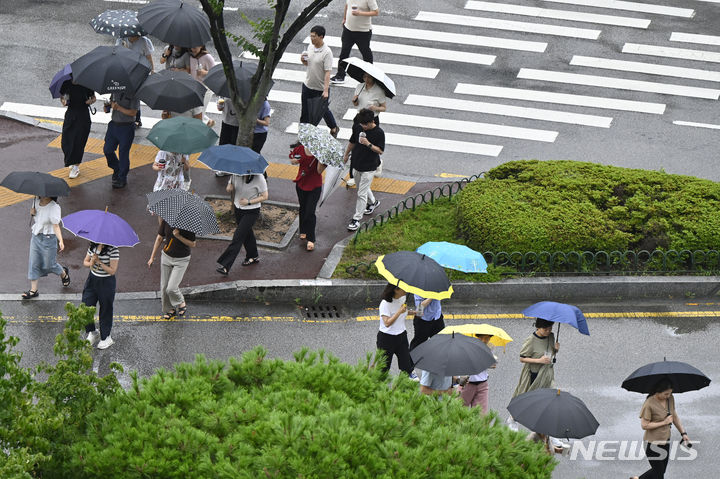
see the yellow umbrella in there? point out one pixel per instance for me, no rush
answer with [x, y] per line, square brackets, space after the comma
[499, 336]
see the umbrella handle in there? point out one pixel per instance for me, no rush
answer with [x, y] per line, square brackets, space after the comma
[557, 339]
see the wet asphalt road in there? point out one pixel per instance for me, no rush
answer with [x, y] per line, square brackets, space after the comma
[590, 367]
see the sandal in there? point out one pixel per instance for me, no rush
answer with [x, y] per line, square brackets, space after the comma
[222, 270]
[249, 261]
[29, 294]
[310, 246]
[303, 236]
[66, 279]
[181, 310]
[170, 314]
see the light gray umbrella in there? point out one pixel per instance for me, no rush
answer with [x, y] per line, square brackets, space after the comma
[176, 22]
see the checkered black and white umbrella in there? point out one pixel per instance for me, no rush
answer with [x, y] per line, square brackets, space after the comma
[118, 23]
[184, 210]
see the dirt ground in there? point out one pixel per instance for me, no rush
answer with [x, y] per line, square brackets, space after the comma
[271, 226]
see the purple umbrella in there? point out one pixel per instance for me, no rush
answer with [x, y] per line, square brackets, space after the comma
[60, 77]
[101, 227]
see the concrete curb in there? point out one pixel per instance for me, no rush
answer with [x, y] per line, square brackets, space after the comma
[30, 121]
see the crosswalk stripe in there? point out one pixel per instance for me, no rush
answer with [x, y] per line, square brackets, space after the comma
[389, 68]
[632, 7]
[463, 126]
[510, 25]
[558, 14]
[424, 52]
[299, 76]
[59, 113]
[459, 38]
[619, 83]
[694, 38]
[649, 68]
[560, 98]
[697, 125]
[670, 52]
[428, 143]
[284, 96]
[509, 110]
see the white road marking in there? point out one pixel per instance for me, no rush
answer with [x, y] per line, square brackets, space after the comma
[509, 110]
[138, 2]
[58, 113]
[412, 141]
[299, 76]
[694, 38]
[494, 23]
[632, 7]
[697, 125]
[619, 83]
[649, 68]
[560, 98]
[462, 126]
[558, 14]
[669, 52]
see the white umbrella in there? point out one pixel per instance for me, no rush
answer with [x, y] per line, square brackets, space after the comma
[333, 174]
[356, 68]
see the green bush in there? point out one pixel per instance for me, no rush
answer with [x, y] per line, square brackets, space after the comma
[566, 205]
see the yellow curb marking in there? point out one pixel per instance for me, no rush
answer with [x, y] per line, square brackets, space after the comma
[450, 175]
[630, 315]
[189, 319]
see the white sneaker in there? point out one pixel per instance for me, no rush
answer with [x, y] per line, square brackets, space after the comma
[74, 171]
[93, 337]
[105, 343]
[221, 173]
[511, 424]
[350, 182]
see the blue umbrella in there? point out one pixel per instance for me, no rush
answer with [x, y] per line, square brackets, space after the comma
[101, 227]
[455, 256]
[558, 313]
[60, 77]
[238, 160]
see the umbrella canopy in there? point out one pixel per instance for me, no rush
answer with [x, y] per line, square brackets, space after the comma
[118, 23]
[172, 90]
[331, 181]
[682, 376]
[111, 70]
[452, 355]
[60, 77]
[218, 82]
[553, 412]
[498, 335]
[101, 227]
[176, 22]
[184, 210]
[321, 144]
[415, 273]
[356, 68]
[182, 135]
[454, 256]
[558, 313]
[36, 184]
[238, 160]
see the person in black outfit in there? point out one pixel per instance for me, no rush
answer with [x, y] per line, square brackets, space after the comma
[76, 125]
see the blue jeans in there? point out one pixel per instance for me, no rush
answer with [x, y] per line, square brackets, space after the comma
[119, 135]
[43, 256]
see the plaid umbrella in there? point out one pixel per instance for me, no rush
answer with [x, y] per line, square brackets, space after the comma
[118, 23]
[184, 210]
[321, 144]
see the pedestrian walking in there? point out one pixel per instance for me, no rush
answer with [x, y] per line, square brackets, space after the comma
[368, 95]
[308, 186]
[143, 46]
[76, 124]
[45, 242]
[432, 384]
[357, 30]
[428, 320]
[173, 171]
[318, 60]
[174, 260]
[392, 336]
[100, 287]
[475, 392]
[176, 58]
[247, 193]
[200, 63]
[120, 135]
[366, 144]
[656, 416]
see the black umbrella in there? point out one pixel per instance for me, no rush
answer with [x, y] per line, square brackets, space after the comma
[184, 210]
[218, 83]
[176, 22]
[415, 273]
[316, 108]
[452, 355]
[36, 183]
[171, 90]
[682, 376]
[118, 23]
[111, 70]
[553, 412]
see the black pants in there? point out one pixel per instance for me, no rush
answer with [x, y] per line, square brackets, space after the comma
[75, 132]
[100, 289]
[397, 345]
[658, 463]
[305, 95]
[259, 141]
[244, 236]
[308, 202]
[349, 38]
[228, 134]
[425, 330]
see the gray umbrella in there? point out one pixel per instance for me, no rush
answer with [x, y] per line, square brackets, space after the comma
[553, 412]
[118, 23]
[36, 183]
[111, 70]
[176, 22]
[171, 90]
[184, 210]
[218, 83]
[452, 355]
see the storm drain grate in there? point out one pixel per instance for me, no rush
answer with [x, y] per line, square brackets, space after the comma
[321, 311]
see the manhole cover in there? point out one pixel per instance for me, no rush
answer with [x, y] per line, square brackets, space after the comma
[321, 312]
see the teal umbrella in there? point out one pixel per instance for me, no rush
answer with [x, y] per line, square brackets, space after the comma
[182, 135]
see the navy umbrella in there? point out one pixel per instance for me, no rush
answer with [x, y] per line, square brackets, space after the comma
[36, 184]
[553, 412]
[682, 376]
[60, 77]
[118, 23]
[111, 70]
[171, 90]
[184, 210]
[176, 22]
[452, 355]
[238, 160]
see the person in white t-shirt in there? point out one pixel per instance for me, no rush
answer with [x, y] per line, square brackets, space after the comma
[392, 336]
[357, 30]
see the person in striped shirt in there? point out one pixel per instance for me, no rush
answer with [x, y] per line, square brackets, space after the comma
[100, 288]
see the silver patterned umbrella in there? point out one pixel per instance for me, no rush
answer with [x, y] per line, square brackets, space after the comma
[118, 23]
[184, 210]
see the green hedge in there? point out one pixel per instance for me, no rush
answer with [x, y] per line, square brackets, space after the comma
[575, 206]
